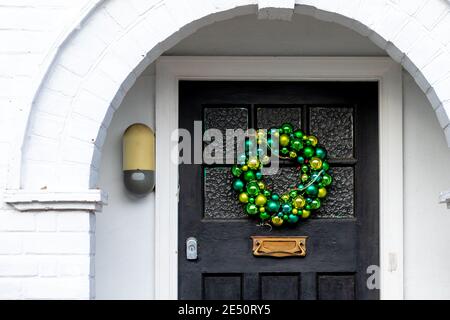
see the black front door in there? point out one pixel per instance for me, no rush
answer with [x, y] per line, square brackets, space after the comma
[342, 236]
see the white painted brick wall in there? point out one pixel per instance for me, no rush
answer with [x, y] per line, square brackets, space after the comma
[48, 254]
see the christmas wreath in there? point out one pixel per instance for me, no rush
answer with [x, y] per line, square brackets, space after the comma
[299, 202]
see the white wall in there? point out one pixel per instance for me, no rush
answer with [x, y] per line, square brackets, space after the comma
[124, 232]
[426, 173]
[124, 229]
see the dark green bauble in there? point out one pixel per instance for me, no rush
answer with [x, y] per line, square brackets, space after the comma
[293, 218]
[298, 134]
[315, 204]
[280, 214]
[251, 200]
[249, 175]
[312, 190]
[296, 145]
[300, 160]
[315, 176]
[258, 175]
[275, 197]
[301, 187]
[252, 209]
[264, 215]
[266, 193]
[305, 168]
[293, 194]
[238, 185]
[326, 179]
[285, 217]
[321, 153]
[273, 206]
[308, 200]
[253, 188]
[287, 128]
[308, 152]
[286, 208]
[236, 171]
[325, 166]
[284, 151]
[308, 207]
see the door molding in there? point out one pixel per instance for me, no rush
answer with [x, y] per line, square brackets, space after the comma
[169, 70]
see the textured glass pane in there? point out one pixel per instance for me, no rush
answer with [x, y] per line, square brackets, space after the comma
[285, 179]
[222, 119]
[339, 202]
[334, 128]
[221, 201]
[275, 117]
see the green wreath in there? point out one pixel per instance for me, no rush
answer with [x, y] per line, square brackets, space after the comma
[301, 200]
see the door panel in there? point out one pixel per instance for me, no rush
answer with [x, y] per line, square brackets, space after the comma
[342, 235]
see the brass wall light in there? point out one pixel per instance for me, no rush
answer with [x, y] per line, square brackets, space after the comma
[139, 159]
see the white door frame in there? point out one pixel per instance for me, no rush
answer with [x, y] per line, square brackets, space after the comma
[169, 70]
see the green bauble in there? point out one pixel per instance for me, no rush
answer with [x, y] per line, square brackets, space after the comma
[325, 166]
[296, 145]
[284, 151]
[300, 160]
[287, 128]
[326, 179]
[321, 153]
[312, 190]
[286, 208]
[284, 140]
[275, 197]
[293, 218]
[258, 175]
[304, 177]
[285, 197]
[293, 194]
[298, 134]
[273, 206]
[253, 188]
[308, 152]
[305, 168]
[264, 215]
[238, 185]
[293, 154]
[266, 193]
[249, 175]
[315, 204]
[236, 171]
[252, 209]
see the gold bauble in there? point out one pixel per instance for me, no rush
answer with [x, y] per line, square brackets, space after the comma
[277, 221]
[261, 134]
[262, 209]
[315, 163]
[285, 197]
[293, 154]
[294, 211]
[313, 140]
[299, 202]
[322, 193]
[265, 160]
[244, 168]
[260, 200]
[304, 177]
[284, 140]
[305, 214]
[243, 197]
[261, 185]
[253, 163]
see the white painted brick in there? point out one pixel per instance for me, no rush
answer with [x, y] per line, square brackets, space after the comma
[433, 98]
[103, 26]
[77, 151]
[370, 12]
[409, 35]
[38, 174]
[160, 19]
[378, 40]
[421, 81]
[58, 243]
[53, 102]
[442, 89]
[17, 221]
[431, 13]
[78, 175]
[424, 51]
[114, 67]
[56, 288]
[10, 288]
[394, 52]
[63, 81]
[41, 149]
[101, 137]
[46, 221]
[18, 266]
[441, 30]
[122, 12]
[391, 23]
[438, 68]
[70, 266]
[77, 221]
[83, 128]
[142, 6]
[47, 266]
[108, 88]
[411, 6]
[10, 243]
[90, 106]
[47, 125]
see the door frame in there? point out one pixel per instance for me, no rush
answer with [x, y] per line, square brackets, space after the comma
[388, 73]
